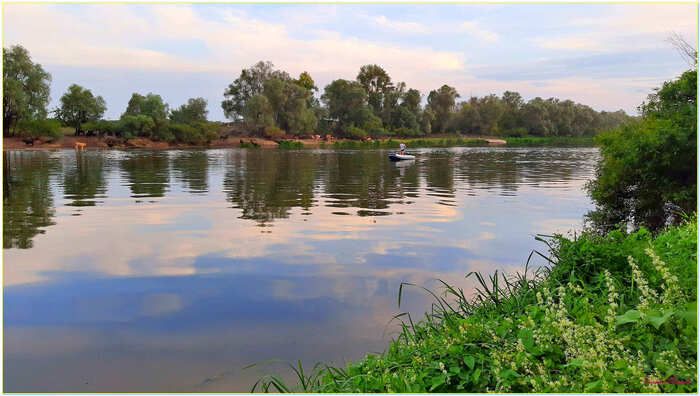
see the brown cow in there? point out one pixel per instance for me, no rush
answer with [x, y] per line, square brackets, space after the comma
[80, 146]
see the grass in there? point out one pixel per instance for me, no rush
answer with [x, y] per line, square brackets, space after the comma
[612, 313]
[248, 145]
[290, 145]
[559, 141]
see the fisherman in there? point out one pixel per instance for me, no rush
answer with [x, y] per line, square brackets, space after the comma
[403, 149]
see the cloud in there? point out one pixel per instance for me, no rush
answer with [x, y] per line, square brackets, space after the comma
[401, 27]
[475, 30]
[110, 35]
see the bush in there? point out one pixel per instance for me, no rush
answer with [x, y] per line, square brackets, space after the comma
[184, 133]
[273, 132]
[36, 129]
[648, 169]
[354, 132]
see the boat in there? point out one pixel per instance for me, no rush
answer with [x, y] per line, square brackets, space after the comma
[401, 157]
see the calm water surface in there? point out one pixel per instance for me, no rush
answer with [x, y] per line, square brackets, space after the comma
[169, 271]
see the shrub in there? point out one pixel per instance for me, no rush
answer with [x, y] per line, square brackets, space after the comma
[354, 132]
[273, 132]
[35, 129]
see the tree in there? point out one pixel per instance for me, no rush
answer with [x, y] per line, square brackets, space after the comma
[442, 103]
[79, 106]
[25, 88]
[306, 81]
[258, 112]
[195, 110]
[377, 83]
[347, 102]
[467, 120]
[648, 167]
[151, 105]
[250, 83]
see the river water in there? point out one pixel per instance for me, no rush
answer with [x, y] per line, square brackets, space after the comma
[170, 271]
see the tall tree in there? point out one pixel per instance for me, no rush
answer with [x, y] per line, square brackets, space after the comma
[347, 102]
[442, 103]
[25, 88]
[152, 106]
[79, 106]
[377, 84]
[248, 84]
[193, 111]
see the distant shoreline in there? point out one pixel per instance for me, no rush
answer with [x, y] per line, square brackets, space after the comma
[92, 143]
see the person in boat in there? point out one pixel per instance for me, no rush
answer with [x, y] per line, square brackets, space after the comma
[403, 149]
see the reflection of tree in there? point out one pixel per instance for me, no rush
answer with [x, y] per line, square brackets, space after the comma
[147, 173]
[439, 173]
[85, 181]
[266, 184]
[190, 168]
[27, 199]
[360, 179]
[489, 170]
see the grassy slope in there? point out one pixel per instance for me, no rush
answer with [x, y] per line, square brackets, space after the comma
[608, 317]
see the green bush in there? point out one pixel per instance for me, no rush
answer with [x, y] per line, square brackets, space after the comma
[273, 132]
[354, 132]
[35, 129]
[648, 169]
[286, 144]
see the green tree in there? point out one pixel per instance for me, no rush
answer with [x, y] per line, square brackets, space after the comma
[467, 120]
[258, 112]
[195, 110]
[347, 103]
[248, 84]
[25, 88]
[442, 103]
[79, 106]
[648, 167]
[152, 106]
[306, 81]
[377, 83]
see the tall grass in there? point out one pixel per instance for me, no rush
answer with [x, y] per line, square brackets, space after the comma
[613, 313]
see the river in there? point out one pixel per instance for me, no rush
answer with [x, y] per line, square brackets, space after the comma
[170, 271]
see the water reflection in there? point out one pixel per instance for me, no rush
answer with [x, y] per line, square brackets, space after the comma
[147, 173]
[84, 178]
[179, 294]
[27, 198]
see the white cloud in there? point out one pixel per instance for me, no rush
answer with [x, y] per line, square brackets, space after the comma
[626, 27]
[110, 35]
[475, 30]
[401, 27]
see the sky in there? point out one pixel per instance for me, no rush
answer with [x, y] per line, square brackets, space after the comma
[608, 56]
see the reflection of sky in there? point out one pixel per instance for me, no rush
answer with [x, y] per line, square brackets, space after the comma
[146, 284]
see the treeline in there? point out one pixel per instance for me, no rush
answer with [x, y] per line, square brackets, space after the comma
[272, 103]
[26, 96]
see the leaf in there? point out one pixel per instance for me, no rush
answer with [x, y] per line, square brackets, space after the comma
[657, 319]
[594, 386]
[469, 361]
[477, 373]
[575, 363]
[509, 374]
[437, 381]
[630, 316]
[690, 315]
[527, 338]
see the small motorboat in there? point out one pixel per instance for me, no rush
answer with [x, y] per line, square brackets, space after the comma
[401, 157]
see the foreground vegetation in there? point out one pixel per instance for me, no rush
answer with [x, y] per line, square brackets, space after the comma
[613, 313]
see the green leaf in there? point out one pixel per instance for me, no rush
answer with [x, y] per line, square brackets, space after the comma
[469, 361]
[657, 319]
[477, 373]
[527, 338]
[437, 381]
[576, 363]
[690, 315]
[509, 374]
[594, 386]
[630, 316]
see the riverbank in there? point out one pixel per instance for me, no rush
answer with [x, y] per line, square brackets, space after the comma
[614, 313]
[68, 142]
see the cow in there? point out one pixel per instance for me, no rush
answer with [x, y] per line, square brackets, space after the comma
[79, 146]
